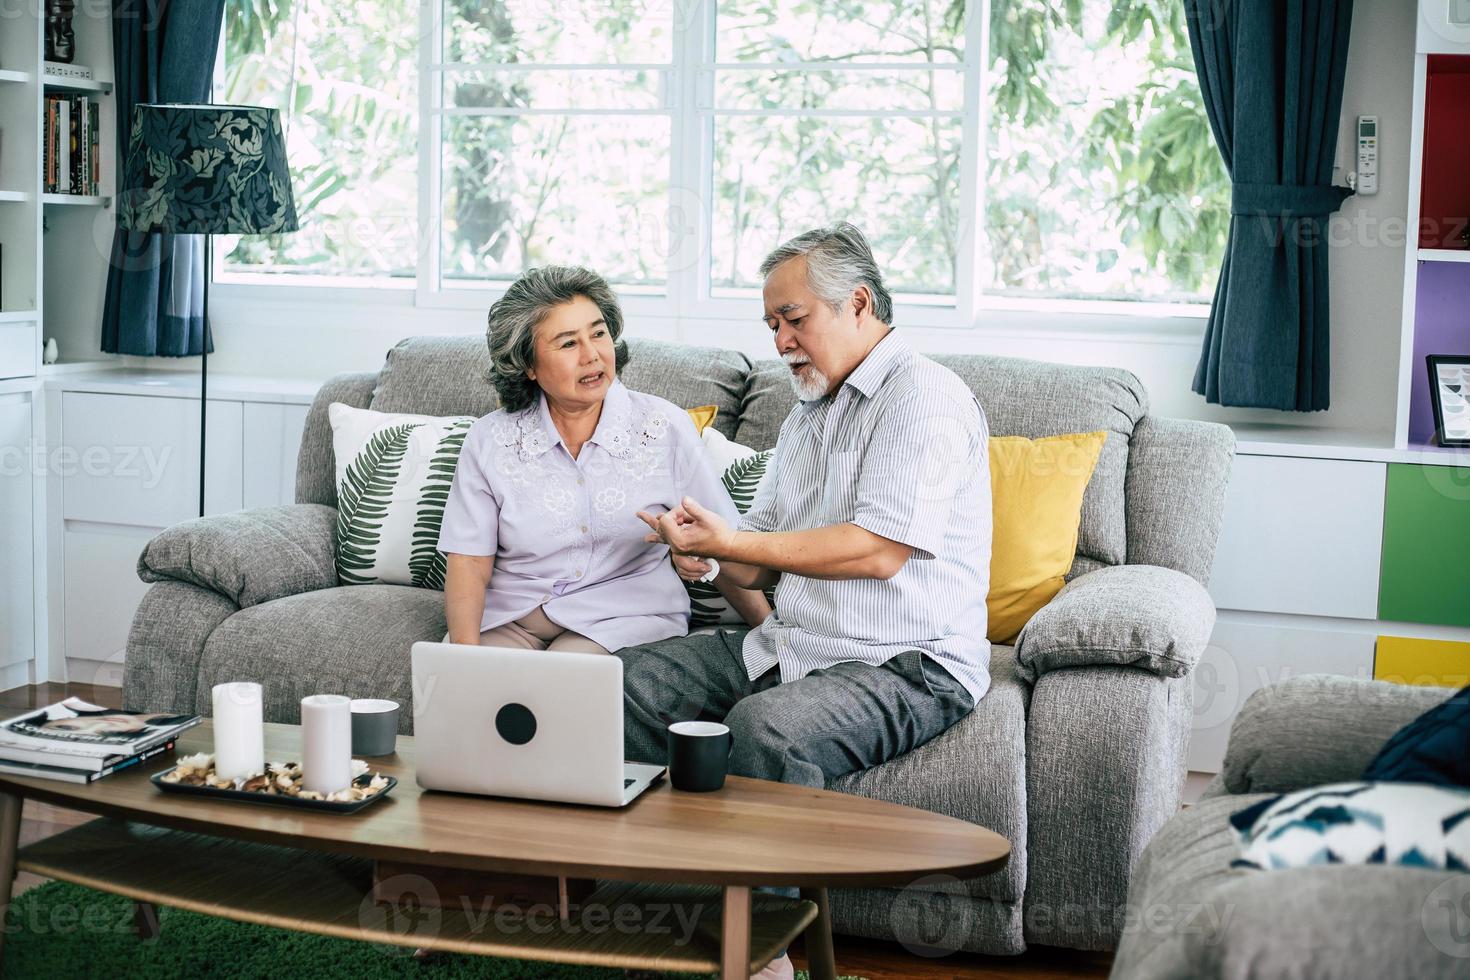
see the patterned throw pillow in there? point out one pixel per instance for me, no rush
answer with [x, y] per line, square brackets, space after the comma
[1411, 824]
[393, 477]
[741, 469]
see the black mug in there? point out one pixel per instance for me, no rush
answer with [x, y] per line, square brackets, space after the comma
[699, 755]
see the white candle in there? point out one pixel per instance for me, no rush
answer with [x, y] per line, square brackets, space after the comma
[239, 735]
[326, 743]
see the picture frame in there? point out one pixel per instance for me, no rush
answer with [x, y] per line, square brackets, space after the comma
[1449, 393]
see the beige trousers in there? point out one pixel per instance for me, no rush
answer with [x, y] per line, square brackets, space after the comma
[534, 631]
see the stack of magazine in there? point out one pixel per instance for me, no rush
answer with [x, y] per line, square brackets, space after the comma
[80, 742]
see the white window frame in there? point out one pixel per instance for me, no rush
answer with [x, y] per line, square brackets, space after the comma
[689, 84]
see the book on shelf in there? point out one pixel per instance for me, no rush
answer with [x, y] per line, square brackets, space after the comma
[76, 775]
[64, 71]
[73, 728]
[72, 145]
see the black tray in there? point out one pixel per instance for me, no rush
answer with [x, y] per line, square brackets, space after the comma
[331, 806]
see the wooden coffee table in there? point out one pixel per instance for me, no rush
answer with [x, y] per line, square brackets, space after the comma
[678, 867]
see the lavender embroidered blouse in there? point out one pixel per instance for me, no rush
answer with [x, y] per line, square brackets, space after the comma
[565, 532]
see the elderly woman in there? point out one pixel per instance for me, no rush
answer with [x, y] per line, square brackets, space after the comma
[545, 547]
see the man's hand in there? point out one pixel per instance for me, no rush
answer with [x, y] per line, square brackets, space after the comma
[690, 529]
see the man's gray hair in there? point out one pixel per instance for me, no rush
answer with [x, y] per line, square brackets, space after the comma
[514, 317]
[838, 261]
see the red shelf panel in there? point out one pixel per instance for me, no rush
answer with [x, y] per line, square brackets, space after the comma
[1445, 198]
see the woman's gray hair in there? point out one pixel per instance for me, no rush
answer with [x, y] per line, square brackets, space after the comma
[838, 261]
[514, 317]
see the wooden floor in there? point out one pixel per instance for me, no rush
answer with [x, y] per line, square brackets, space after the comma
[873, 959]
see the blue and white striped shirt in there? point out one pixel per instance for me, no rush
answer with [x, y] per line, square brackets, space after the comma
[900, 448]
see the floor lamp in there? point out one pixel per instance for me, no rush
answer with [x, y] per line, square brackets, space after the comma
[206, 170]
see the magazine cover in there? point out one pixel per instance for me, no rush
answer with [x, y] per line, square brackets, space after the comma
[74, 726]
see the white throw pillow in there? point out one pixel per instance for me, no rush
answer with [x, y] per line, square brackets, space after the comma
[1416, 825]
[393, 478]
[742, 470]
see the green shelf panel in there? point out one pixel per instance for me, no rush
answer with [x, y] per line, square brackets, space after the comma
[1425, 577]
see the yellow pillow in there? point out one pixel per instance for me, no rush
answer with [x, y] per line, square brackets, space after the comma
[703, 416]
[1036, 488]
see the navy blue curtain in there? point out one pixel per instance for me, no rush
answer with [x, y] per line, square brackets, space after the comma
[1271, 72]
[163, 51]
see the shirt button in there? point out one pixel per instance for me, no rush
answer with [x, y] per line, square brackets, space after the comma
[546, 598]
[580, 481]
[584, 528]
[579, 573]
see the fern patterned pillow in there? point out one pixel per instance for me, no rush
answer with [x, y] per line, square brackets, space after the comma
[741, 469]
[393, 477]
[1412, 824]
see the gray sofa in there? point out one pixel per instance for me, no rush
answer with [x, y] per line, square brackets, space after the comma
[1076, 754]
[1191, 915]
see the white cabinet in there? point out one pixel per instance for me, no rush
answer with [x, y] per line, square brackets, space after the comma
[128, 465]
[1301, 536]
[131, 459]
[17, 554]
[272, 438]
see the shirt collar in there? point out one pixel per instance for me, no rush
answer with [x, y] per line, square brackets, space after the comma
[612, 432]
[869, 376]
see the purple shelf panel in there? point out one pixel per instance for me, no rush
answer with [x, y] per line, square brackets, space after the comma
[1441, 326]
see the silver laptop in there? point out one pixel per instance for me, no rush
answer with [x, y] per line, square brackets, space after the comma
[527, 724]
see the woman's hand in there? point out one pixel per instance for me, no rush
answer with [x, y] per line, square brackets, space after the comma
[690, 529]
[690, 569]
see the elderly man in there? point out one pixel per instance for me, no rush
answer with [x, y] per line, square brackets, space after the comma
[873, 523]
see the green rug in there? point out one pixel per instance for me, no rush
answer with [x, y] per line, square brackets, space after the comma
[62, 930]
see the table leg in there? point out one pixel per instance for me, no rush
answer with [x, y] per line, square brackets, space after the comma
[735, 934]
[145, 920]
[9, 840]
[821, 962]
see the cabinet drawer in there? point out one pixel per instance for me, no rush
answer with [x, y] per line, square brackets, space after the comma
[1301, 536]
[19, 350]
[1426, 537]
[133, 459]
[272, 435]
[1432, 663]
[102, 590]
[1244, 657]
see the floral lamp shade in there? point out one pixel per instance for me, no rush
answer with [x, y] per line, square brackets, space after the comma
[206, 169]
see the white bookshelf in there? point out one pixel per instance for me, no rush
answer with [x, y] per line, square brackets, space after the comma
[52, 282]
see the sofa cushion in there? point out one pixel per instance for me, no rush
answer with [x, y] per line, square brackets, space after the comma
[975, 771]
[350, 640]
[1191, 915]
[1020, 398]
[1433, 748]
[447, 376]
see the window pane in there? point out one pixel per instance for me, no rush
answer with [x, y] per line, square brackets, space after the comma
[564, 190]
[774, 88]
[581, 89]
[1102, 178]
[567, 32]
[777, 177]
[351, 130]
[853, 30]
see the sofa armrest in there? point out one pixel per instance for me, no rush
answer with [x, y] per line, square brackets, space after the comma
[1122, 615]
[250, 556]
[1316, 729]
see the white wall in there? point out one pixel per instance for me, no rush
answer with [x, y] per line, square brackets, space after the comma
[258, 335]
